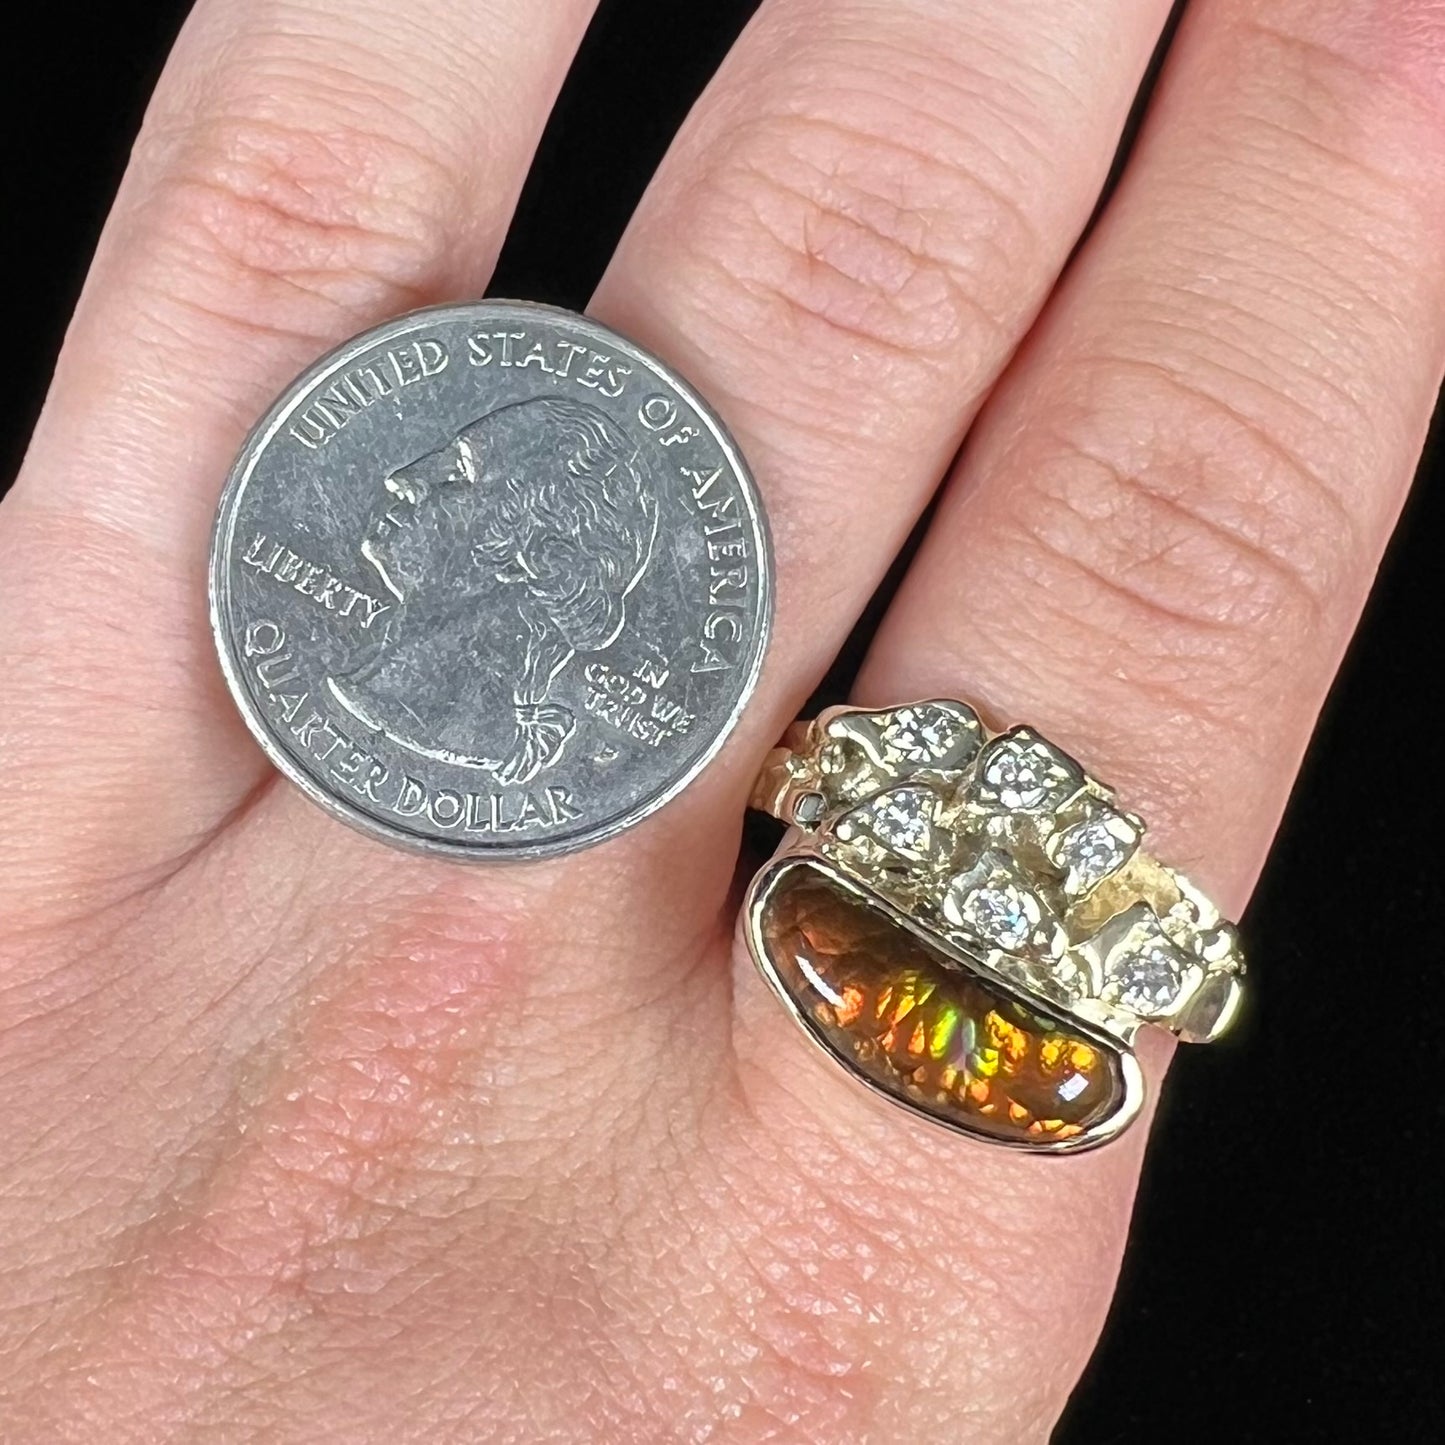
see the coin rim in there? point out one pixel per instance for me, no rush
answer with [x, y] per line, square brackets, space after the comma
[219, 590]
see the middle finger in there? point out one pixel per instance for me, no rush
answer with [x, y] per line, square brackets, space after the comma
[843, 247]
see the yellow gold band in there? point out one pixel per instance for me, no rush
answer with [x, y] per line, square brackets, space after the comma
[1017, 934]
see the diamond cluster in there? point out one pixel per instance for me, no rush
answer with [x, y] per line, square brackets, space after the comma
[1005, 843]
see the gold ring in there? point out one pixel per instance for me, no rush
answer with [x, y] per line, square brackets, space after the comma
[966, 921]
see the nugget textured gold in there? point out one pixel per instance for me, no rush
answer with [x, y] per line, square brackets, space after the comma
[968, 922]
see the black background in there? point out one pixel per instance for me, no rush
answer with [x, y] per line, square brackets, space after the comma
[1284, 1281]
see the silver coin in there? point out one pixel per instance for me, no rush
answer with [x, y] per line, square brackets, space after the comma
[490, 580]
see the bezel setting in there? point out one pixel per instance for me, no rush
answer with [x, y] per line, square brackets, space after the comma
[1001, 853]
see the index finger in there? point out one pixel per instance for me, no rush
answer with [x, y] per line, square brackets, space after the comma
[304, 170]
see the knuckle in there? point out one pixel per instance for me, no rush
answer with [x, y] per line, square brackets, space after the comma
[1188, 508]
[284, 217]
[820, 1305]
[860, 226]
[1352, 50]
[1158, 525]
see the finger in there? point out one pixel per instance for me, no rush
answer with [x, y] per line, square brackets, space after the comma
[306, 168]
[843, 271]
[1166, 528]
[1155, 549]
[843, 246]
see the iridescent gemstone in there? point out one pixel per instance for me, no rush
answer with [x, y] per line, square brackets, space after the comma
[924, 1028]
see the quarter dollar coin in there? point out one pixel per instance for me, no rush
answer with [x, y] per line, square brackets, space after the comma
[490, 580]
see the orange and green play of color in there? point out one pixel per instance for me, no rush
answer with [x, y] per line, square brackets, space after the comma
[922, 1027]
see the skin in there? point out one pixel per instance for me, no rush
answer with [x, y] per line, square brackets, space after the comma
[305, 1139]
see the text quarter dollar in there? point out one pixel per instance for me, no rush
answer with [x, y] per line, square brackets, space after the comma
[491, 580]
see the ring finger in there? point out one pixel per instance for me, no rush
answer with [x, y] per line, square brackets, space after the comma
[1155, 550]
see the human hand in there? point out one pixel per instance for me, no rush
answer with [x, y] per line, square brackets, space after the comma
[309, 1139]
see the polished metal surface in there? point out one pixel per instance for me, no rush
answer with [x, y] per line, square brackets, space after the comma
[490, 580]
[1015, 865]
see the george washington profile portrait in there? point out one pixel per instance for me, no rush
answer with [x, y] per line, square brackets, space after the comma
[508, 551]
